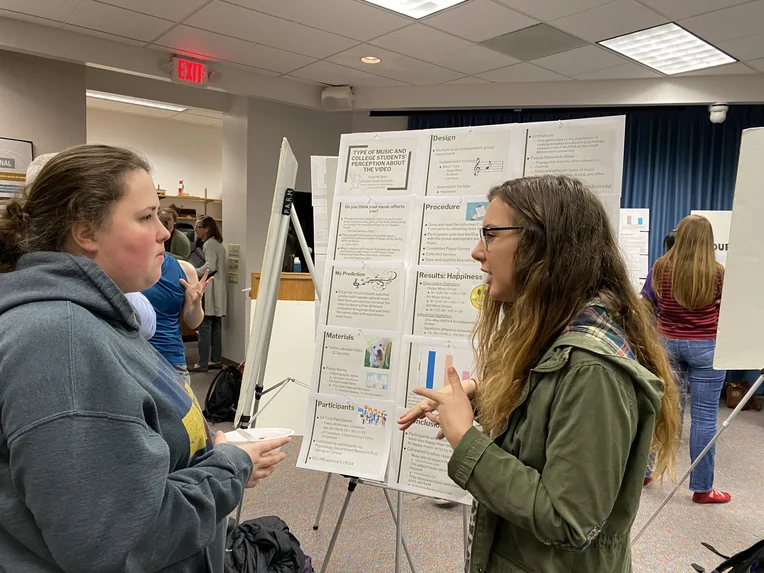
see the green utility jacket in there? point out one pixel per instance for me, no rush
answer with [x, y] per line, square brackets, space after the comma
[559, 490]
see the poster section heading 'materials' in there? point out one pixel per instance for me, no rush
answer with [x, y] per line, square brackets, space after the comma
[402, 293]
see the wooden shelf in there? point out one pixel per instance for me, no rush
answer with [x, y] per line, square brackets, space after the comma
[190, 198]
[195, 218]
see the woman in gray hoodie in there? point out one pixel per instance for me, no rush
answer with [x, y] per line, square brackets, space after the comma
[106, 462]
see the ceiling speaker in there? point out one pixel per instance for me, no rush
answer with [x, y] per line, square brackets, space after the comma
[337, 99]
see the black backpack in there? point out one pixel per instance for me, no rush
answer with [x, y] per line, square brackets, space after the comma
[748, 560]
[223, 396]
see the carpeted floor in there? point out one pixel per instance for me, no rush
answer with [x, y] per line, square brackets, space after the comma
[434, 533]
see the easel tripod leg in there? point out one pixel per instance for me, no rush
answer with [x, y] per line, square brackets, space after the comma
[398, 533]
[403, 537]
[466, 524]
[335, 535]
[323, 502]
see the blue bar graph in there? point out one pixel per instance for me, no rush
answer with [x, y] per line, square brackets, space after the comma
[430, 369]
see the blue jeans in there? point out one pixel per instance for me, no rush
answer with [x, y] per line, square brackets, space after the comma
[692, 361]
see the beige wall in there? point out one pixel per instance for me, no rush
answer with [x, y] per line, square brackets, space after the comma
[42, 101]
[362, 122]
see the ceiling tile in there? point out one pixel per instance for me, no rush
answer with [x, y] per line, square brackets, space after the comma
[175, 10]
[103, 35]
[148, 111]
[757, 64]
[421, 42]
[29, 18]
[96, 103]
[204, 112]
[581, 61]
[736, 69]
[547, 10]
[52, 9]
[395, 66]
[349, 18]
[467, 80]
[113, 20]
[521, 73]
[247, 68]
[474, 60]
[268, 30]
[336, 75]
[728, 24]
[611, 20]
[628, 71]
[196, 119]
[479, 20]
[678, 9]
[203, 43]
[748, 48]
[533, 43]
[272, 59]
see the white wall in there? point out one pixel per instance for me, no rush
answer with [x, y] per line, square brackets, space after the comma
[176, 150]
[42, 101]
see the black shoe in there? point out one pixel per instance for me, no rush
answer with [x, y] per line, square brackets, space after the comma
[198, 368]
[215, 366]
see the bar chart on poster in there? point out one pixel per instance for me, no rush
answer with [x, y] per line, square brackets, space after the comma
[402, 291]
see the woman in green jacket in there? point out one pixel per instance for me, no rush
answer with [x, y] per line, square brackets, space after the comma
[570, 397]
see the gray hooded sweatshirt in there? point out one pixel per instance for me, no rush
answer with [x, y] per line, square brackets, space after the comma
[106, 462]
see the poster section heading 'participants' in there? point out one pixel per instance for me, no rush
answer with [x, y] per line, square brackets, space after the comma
[348, 435]
[424, 363]
[419, 463]
[443, 302]
[358, 295]
[371, 229]
[634, 240]
[447, 230]
[380, 164]
[468, 160]
[356, 362]
[587, 149]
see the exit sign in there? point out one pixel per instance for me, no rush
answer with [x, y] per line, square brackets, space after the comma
[189, 72]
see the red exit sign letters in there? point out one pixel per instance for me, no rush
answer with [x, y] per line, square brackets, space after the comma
[189, 72]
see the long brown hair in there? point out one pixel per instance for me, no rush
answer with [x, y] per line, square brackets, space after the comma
[566, 256]
[79, 184]
[690, 265]
[213, 231]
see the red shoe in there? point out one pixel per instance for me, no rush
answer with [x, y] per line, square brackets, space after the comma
[713, 496]
[647, 481]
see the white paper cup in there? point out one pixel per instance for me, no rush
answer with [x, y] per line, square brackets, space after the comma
[257, 435]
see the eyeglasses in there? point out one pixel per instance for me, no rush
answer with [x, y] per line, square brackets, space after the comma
[486, 238]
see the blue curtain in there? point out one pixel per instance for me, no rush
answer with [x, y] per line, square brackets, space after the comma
[675, 159]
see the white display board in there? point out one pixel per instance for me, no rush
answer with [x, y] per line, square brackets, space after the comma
[15, 157]
[323, 173]
[402, 293]
[261, 325]
[738, 340]
[634, 240]
[720, 223]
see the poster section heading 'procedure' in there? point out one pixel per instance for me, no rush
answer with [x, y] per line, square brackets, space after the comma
[401, 290]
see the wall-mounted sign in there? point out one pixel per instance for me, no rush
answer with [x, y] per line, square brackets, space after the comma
[190, 72]
[15, 156]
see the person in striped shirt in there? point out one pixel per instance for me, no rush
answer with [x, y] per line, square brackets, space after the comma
[685, 286]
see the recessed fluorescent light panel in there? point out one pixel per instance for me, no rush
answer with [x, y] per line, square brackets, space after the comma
[416, 8]
[669, 49]
[135, 101]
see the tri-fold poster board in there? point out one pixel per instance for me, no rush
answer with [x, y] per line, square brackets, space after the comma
[401, 292]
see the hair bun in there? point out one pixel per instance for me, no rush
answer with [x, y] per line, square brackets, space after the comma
[16, 214]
